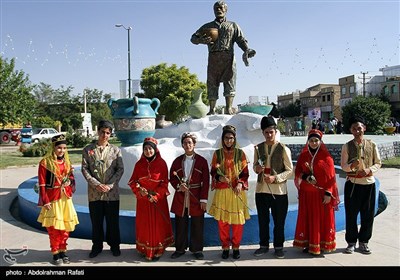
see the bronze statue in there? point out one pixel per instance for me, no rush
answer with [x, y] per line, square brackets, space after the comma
[220, 35]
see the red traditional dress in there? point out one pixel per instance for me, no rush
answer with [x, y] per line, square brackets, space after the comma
[315, 228]
[153, 223]
[229, 209]
[61, 219]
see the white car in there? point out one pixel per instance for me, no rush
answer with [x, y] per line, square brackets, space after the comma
[43, 133]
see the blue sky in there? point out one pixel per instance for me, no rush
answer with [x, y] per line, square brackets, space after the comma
[299, 43]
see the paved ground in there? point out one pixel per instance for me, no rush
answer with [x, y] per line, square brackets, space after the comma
[15, 235]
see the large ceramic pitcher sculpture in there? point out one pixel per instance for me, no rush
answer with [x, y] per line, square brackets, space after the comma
[134, 118]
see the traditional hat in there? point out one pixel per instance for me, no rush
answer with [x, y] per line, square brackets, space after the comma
[228, 129]
[188, 135]
[315, 133]
[356, 118]
[267, 122]
[151, 141]
[59, 139]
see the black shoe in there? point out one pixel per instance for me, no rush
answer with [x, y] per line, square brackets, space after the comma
[116, 252]
[236, 254]
[279, 253]
[154, 259]
[261, 251]
[64, 257]
[305, 250]
[57, 260]
[199, 255]
[94, 253]
[177, 254]
[225, 254]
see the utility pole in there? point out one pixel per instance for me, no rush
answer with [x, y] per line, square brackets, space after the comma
[84, 100]
[364, 73]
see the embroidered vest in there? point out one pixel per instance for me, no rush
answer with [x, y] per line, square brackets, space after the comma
[237, 159]
[367, 157]
[277, 165]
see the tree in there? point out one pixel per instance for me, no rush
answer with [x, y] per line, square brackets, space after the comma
[17, 100]
[173, 86]
[292, 110]
[375, 112]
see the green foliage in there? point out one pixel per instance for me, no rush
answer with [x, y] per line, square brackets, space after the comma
[99, 111]
[38, 149]
[292, 110]
[77, 140]
[16, 98]
[173, 86]
[44, 121]
[375, 112]
[69, 112]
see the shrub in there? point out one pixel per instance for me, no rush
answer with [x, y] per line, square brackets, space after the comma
[77, 140]
[372, 109]
[37, 149]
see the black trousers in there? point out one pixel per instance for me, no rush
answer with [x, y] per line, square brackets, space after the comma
[182, 233]
[279, 208]
[359, 199]
[108, 210]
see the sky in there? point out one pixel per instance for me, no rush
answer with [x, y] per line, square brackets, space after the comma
[299, 44]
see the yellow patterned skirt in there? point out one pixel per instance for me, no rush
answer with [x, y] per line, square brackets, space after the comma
[61, 216]
[229, 207]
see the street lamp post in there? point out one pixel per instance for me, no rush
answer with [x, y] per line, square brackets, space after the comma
[129, 56]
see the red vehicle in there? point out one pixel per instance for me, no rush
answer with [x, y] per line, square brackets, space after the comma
[6, 135]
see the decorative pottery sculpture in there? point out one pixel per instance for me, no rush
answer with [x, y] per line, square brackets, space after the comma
[161, 122]
[134, 118]
[197, 109]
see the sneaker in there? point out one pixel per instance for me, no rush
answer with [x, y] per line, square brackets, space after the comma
[261, 251]
[64, 257]
[350, 249]
[363, 247]
[57, 260]
[225, 254]
[279, 253]
[236, 254]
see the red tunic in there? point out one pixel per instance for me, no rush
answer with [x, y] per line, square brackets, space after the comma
[51, 190]
[199, 183]
[153, 223]
[315, 228]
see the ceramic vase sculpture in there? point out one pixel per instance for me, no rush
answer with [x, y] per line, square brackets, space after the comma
[134, 118]
[161, 122]
[197, 109]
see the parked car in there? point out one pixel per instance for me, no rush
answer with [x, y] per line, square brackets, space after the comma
[43, 133]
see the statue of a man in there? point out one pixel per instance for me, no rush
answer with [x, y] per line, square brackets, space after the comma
[221, 61]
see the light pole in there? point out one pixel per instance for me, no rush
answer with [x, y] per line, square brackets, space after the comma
[129, 56]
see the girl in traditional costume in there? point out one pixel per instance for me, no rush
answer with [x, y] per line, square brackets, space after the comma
[56, 186]
[229, 174]
[315, 180]
[149, 182]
